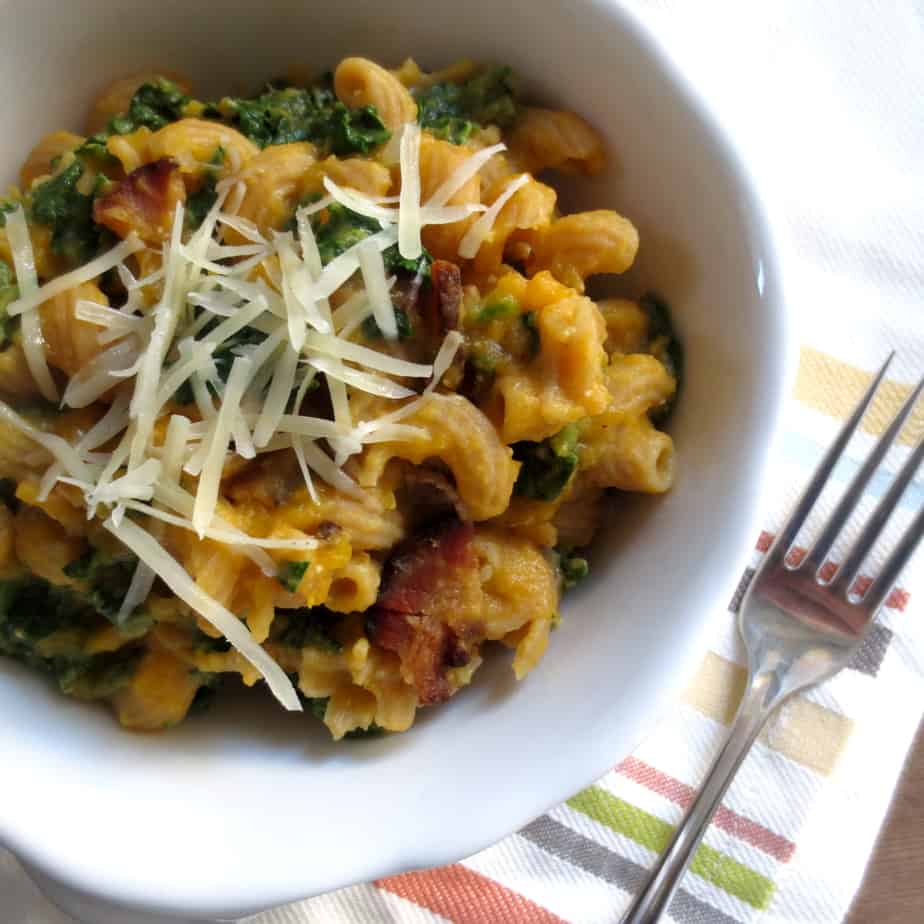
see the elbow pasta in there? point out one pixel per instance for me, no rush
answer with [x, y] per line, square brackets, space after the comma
[361, 82]
[192, 144]
[544, 139]
[434, 516]
[71, 343]
[585, 244]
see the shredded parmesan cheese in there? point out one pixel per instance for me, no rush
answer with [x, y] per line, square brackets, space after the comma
[475, 236]
[409, 221]
[33, 342]
[210, 478]
[153, 554]
[373, 269]
[86, 273]
[462, 174]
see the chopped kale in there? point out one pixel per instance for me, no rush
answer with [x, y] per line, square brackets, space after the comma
[395, 263]
[281, 116]
[233, 347]
[528, 320]
[481, 361]
[5, 208]
[94, 147]
[373, 731]
[103, 584]
[9, 292]
[371, 329]
[99, 675]
[311, 627]
[153, 106]
[665, 345]
[31, 610]
[572, 567]
[58, 204]
[505, 307]
[337, 229]
[223, 357]
[317, 706]
[452, 111]
[199, 203]
[547, 466]
[291, 574]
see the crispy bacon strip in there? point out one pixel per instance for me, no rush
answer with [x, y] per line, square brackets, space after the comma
[435, 574]
[426, 647]
[430, 592]
[144, 202]
[447, 291]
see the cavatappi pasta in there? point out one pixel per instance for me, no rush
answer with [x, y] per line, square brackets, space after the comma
[309, 388]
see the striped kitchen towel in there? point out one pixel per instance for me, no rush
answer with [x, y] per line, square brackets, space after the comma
[819, 98]
[772, 853]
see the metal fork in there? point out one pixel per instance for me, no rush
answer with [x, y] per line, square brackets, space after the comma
[799, 628]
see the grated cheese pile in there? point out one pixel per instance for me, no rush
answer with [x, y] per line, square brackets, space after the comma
[151, 352]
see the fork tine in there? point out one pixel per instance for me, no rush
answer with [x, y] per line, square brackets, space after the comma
[879, 590]
[850, 567]
[847, 504]
[820, 477]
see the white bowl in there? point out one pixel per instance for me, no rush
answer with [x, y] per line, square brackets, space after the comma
[248, 807]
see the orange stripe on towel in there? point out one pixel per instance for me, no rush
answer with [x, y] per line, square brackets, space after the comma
[680, 793]
[466, 897]
[833, 387]
[897, 599]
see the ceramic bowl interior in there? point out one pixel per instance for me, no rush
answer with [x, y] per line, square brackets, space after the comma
[247, 807]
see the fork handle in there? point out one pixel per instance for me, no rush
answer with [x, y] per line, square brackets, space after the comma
[760, 699]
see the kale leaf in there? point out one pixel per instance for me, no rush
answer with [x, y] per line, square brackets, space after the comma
[572, 568]
[371, 331]
[317, 706]
[452, 111]
[281, 116]
[199, 203]
[665, 345]
[153, 106]
[291, 574]
[547, 466]
[9, 292]
[31, 610]
[5, 208]
[529, 322]
[58, 204]
[504, 307]
[337, 229]
[103, 583]
[311, 626]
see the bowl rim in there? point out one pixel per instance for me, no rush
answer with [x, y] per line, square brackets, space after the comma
[768, 238]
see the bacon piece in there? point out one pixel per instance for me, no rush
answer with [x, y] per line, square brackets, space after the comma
[435, 574]
[447, 290]
[426, 647]
[428, 608]
[144, 202]
[431, 495]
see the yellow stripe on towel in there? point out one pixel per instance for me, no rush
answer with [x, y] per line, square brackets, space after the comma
[803, 731]
[831, 386]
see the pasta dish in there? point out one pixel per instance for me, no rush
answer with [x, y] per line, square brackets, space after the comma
[308, 388]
